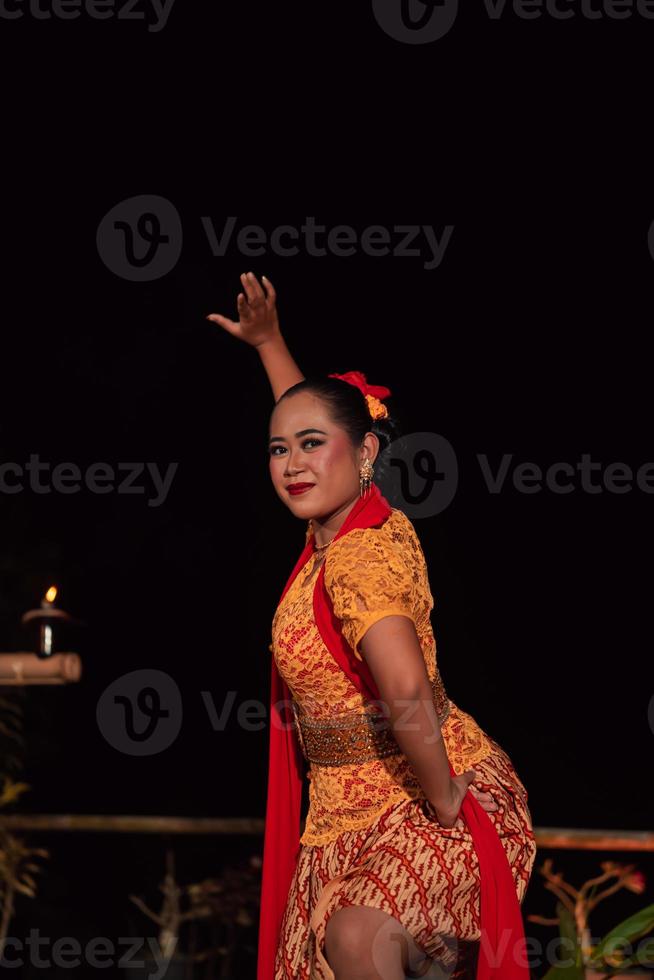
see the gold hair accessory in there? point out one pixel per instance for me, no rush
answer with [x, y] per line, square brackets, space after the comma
[376, 408]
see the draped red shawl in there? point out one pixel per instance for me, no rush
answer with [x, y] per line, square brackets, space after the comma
[502, 953]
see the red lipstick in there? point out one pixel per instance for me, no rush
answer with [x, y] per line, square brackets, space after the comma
[299, 487]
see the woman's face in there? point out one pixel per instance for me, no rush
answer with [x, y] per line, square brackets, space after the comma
[307, 448]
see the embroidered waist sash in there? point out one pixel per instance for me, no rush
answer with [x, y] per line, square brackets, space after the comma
[349, 739]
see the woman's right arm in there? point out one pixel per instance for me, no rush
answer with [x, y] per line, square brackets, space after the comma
[258, 325]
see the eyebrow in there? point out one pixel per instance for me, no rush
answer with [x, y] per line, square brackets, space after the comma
[302, 432]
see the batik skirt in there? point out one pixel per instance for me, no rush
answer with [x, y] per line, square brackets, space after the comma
[407, 865]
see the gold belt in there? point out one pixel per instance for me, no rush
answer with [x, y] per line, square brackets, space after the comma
[345, 740]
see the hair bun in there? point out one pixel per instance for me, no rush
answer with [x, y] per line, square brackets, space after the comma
[373, 393]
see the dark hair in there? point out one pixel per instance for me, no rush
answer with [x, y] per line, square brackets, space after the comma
[348, 408]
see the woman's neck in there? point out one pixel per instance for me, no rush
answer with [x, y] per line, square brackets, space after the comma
[326, 528]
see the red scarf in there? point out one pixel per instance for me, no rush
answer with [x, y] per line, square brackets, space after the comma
[502, 954]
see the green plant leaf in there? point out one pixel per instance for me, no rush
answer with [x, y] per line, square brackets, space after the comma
[568, 930]
[568, 933]
[632, 928]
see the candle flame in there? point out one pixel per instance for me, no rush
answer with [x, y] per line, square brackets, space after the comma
[51, 594]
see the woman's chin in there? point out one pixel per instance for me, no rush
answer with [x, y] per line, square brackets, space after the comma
[303, 505]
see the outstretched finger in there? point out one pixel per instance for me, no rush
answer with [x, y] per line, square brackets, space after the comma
[223, 321]
[271, 295]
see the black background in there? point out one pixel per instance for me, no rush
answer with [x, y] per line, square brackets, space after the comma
[530, 338]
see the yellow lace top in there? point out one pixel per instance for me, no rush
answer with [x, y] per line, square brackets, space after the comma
[369, 573]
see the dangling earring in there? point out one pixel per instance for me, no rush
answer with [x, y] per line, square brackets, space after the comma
[365, 477]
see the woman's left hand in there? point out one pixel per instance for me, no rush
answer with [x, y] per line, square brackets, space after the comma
[447, 813]
[486, 800]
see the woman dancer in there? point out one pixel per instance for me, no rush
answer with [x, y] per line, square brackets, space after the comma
[410, 858]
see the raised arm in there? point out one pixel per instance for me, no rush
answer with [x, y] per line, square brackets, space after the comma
[258, 326]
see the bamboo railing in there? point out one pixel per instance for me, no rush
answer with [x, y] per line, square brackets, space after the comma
[554, 838]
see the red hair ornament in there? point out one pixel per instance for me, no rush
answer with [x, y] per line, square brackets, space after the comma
[373, 393]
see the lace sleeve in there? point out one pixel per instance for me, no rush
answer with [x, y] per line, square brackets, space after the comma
[369, 575]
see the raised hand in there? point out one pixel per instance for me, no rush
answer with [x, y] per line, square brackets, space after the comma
[258, 322]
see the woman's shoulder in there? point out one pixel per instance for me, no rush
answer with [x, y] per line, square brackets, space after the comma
[394, 539]
[398, 527]
[377, 571]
